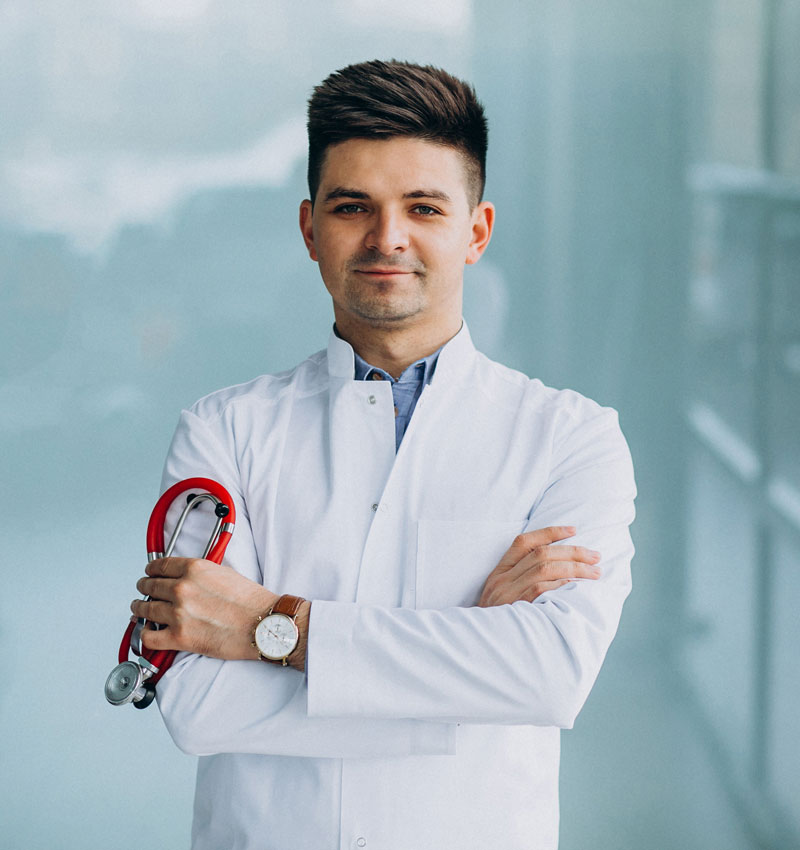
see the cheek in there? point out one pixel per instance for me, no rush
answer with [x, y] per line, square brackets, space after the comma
[333, 272]
[457, 237]
[334, 249]
[322, 248]
[448, 252]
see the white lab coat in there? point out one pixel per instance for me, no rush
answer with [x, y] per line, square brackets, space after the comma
[422, 721]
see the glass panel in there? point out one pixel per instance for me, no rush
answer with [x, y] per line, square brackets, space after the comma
[723, 306]
[784, 404]
[784, 726]
[720, 600]
[733, 100]
[787, 88]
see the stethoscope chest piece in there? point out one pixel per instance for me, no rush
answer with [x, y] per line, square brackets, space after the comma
[125, 683]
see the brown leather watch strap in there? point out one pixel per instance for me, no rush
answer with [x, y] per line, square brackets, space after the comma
[288, 605]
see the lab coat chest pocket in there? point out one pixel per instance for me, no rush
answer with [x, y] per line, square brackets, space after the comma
[454, 559]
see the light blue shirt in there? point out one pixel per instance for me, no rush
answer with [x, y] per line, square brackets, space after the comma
[405, 390]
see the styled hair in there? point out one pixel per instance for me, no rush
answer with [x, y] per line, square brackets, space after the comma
[379, 100]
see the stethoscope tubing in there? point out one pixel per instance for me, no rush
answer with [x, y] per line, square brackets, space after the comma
[157, 662]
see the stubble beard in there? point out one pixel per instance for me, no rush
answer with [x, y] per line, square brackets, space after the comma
[386, 303]
[378, 304]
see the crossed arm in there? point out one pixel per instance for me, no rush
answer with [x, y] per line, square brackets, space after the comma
[211, 610]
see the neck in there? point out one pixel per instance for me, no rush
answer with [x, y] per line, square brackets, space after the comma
[394, 350]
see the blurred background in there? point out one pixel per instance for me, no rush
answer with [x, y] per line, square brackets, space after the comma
[645, 162]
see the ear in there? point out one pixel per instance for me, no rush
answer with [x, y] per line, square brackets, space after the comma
[307, 229]
[482, 226]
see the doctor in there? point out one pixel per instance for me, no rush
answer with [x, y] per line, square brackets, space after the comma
[404, 632]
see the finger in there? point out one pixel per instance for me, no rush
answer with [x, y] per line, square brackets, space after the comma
[530, 540]
[159, 639]
[543, 554]
[574, 553]
[553, 570]
[541, 587]
[154, 610]
[168, 567]
[157, 588]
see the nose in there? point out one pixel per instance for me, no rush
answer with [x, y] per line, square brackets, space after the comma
[388, 233]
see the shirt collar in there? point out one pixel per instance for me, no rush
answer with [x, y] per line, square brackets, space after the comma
[454, 357]
[411, 374]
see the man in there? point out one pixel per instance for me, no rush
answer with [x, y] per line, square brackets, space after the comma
[379, 484]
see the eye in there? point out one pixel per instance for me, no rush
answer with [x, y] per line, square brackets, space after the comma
[349, 209]
[425, 210]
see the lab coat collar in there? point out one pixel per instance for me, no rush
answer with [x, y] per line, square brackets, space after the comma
[454, 360]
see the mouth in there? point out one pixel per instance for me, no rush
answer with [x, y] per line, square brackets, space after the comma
[384, 272]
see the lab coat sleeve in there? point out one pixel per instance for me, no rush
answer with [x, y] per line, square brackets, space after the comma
[212, 706]
[531, 663]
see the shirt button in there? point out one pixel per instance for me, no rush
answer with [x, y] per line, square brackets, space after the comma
[372, 399]
[362, 842]
[376, 376]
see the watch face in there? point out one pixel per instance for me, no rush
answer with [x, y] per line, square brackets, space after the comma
[276, 636]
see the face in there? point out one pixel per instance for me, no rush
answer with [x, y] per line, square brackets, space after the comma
[391, 229]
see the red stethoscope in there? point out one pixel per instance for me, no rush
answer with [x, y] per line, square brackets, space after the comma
[135, 681]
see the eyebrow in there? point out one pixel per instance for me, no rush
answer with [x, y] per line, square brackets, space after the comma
[357, 194]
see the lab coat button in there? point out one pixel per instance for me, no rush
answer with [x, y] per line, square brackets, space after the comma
[375, 507]
[383, 507]
[362, 842]
[372, 399]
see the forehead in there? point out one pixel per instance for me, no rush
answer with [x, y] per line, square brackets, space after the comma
[396, 165]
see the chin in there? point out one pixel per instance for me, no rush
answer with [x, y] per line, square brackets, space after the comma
[387, 320]
[384, 311]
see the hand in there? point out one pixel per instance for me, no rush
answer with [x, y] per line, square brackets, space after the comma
[531, 566]
[206, 608]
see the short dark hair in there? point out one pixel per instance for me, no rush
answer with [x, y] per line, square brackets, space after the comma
[384, 99]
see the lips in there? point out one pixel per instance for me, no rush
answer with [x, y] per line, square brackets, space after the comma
[386, 272]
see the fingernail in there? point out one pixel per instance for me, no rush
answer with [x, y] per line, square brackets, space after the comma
[597, 571]
[594, 554]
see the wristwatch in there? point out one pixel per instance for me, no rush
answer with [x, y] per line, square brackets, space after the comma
[275, 635]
